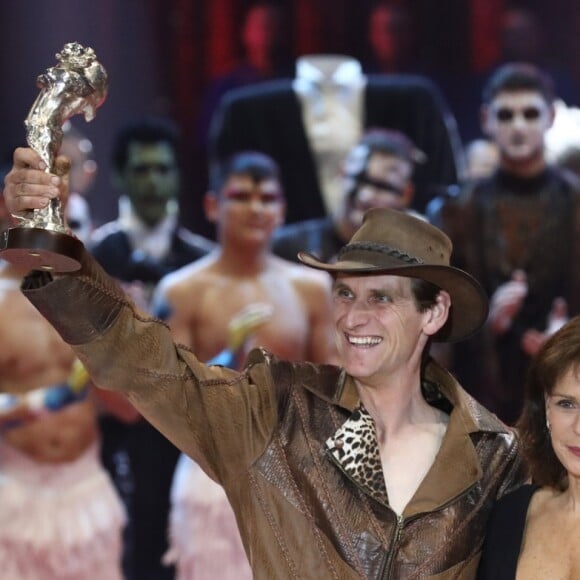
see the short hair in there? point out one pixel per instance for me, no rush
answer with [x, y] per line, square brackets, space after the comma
[391, 142]
[424, 293]
[560, 354]
[425, 297]
[257, 166]
[147, 130]
[519, 76]
[378, 140]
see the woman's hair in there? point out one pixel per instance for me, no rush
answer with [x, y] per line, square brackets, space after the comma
[560, 354]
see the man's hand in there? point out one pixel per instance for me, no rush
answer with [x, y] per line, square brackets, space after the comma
[506, 302]
[28, 186]
[533, 339]
[246, 322]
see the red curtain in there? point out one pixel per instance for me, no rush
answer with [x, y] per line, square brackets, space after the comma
[485, 16]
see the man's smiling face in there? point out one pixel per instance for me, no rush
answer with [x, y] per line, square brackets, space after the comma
[379, 328]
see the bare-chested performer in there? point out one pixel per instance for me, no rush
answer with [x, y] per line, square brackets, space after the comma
[247, 205]
[60, 517]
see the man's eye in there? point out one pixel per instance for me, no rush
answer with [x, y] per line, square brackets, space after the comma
[382, 298]
[240, 197]
[342, 293]
[246, 197]
[144, 168]
[269, 198]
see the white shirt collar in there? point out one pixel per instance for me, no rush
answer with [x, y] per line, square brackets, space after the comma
[327, 70]
[154, 241]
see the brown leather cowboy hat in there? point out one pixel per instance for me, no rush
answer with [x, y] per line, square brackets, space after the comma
[394, 242]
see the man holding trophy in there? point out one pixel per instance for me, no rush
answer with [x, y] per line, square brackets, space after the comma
[314, 459]
[78, 84]
[60, 516]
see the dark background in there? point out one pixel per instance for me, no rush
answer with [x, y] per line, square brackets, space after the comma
[161, 55]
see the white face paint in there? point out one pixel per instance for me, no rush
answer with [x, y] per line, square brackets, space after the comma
[517, 121]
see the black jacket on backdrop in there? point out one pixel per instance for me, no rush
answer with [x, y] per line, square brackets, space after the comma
[267, 117]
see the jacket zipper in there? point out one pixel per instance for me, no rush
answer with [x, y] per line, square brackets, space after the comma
[388, 562]
[385, 572]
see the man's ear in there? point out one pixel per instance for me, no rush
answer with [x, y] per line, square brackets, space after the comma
[484, 120]
[211, 206]
[436, 315]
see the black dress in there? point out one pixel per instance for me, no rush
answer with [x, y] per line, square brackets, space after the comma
[503, 539]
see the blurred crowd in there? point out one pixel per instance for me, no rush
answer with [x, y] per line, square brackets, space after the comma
[290, 154]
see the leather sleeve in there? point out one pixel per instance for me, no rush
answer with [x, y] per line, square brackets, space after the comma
[220, 417]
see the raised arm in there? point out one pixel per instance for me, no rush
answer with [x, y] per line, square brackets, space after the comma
[209, 413]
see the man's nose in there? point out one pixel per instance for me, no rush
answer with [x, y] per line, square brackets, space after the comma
[357, 314]
[519, 122]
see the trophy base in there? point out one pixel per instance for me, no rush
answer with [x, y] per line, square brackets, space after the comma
[40, 249]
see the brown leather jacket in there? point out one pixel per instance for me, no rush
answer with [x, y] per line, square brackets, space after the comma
[263, 434]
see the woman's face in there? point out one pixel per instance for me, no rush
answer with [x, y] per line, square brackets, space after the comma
[563, 414]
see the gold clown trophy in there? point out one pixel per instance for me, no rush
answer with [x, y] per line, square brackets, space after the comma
[77, 84]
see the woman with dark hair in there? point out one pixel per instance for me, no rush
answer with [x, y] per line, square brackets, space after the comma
[534, 531]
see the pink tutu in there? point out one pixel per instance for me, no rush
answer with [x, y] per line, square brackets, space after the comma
[203, 535]
[58, 521]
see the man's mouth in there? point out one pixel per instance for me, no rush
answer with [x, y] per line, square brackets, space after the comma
[518, 140]
[365, 341]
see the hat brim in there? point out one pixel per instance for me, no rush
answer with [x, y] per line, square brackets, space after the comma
[469, 303]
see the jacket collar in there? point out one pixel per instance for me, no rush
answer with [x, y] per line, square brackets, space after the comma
[456, 468]
[337, 387]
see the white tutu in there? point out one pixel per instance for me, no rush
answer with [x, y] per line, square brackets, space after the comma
[203, 534]
[58, 521]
